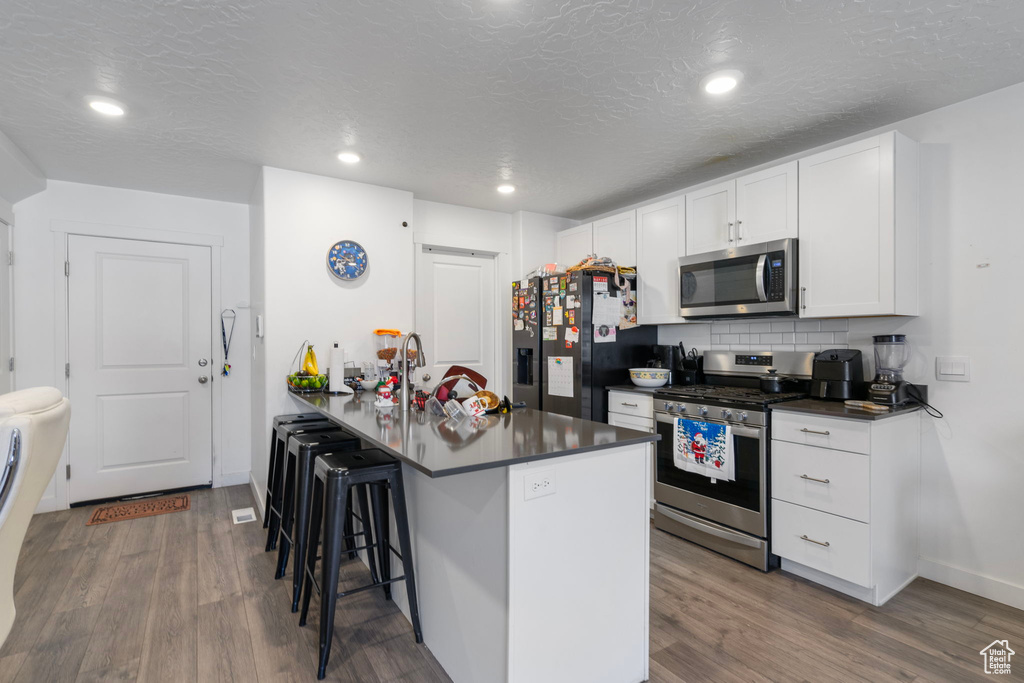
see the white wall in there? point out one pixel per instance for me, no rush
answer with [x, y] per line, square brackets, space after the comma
[19, 178]
[971, 260]
[533, 240]
[36, 350]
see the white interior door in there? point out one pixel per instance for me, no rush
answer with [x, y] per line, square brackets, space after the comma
[6, 319]
[141, 367]
[455, 312]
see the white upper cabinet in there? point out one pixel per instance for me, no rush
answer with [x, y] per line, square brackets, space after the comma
[766, 205]
[615, 238]
[711, 218]
[574, 244]
[859, 229]
[660, 240]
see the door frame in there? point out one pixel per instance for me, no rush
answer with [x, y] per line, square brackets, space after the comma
[62, 230]
[502, 303]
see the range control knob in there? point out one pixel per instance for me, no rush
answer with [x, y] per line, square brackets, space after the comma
[682, 407]
[726, 413]
[703, 410]
[671, 407]
[743, 417]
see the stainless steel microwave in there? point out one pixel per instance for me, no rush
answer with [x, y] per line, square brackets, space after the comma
[752, 280]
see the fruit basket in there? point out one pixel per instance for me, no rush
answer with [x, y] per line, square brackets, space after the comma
[307, 379]
[306, 384]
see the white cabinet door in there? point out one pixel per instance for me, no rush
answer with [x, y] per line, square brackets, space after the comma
[572, 245]
[661, 239]
[766, 205]
[615, 238]
[847, 231]
[711, 218]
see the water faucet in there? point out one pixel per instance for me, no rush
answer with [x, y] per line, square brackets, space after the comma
[403, 396]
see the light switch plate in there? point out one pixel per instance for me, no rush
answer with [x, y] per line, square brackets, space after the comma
[953, 368]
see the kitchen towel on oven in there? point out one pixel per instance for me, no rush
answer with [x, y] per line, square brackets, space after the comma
[704, 448]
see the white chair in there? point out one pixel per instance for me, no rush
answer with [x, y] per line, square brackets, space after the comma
[33, 428]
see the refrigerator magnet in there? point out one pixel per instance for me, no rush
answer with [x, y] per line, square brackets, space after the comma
[519, 326]
[568, 344]
[600, 283]
[572, 286]
[547, 317]
[561, 283]
[549, 334]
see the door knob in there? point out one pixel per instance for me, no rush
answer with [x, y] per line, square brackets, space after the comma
[202, 362]
[203, 379]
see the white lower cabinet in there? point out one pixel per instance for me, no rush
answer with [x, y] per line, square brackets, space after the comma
[845, 500]
[634, 410]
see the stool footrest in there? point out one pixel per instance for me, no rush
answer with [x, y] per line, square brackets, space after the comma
[371, 585]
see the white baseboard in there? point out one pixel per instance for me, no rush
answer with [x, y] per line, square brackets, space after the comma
[47, 504]
[985, 586]
[260, 496]
[234, 478]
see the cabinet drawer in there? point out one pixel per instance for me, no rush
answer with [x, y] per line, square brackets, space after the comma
[823, 479]
[825, 432]
[847, 555]
[628, 403]
[642, 424]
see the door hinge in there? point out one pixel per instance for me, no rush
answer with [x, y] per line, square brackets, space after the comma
[67, 268]
[67, 369]
[10, 364]
[10, 258]
[67, 472]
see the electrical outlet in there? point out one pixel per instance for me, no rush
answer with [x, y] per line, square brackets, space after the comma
[539, 484]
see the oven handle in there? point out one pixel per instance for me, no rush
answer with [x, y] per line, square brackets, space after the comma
[711, 530]
[762, 261]
[737, 430]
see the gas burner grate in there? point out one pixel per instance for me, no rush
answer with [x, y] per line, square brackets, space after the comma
[723, 393]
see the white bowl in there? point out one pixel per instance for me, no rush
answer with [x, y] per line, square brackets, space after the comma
[368, 384]
[649, 377]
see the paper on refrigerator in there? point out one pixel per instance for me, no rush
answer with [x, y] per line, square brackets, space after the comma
[560, 376]
[607, 308]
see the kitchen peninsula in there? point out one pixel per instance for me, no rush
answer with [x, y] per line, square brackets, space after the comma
[530, 533]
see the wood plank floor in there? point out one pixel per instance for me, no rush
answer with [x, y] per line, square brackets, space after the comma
[191, 597]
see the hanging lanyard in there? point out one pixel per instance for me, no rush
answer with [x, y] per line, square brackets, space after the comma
[225, 337]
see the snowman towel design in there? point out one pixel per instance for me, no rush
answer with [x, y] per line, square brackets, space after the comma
[704, 448]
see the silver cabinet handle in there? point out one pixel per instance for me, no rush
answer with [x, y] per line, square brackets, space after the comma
[803, 297]
[739, 236]
[811, 540]
[631, 405]
[730, 230]
[203, 379]
[805, 430]
[820, 481]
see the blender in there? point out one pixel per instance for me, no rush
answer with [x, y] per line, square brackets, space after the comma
[892, 353]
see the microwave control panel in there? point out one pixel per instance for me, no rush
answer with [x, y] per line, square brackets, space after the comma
[776, 276]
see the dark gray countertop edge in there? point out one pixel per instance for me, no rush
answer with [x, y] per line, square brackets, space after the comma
[812, 406]
[635, 389]
[433, 474]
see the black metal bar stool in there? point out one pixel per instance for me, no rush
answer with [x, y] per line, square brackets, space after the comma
[302, 450]
[293, 418]
[335, 475]
[276, 474]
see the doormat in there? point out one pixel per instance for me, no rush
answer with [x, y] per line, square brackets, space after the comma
[139, 508]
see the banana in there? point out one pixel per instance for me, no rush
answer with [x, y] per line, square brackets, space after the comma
[309, 363]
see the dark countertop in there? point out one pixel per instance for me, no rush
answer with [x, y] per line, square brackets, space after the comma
[634, 388]
[816, 406]
[439, 447]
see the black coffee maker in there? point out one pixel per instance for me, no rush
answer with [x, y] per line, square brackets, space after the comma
[665, 356]
[838, 375]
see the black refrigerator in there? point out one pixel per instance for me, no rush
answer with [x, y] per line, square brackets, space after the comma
[526, 365]
[583, 346]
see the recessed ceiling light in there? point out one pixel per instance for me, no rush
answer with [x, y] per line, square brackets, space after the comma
[106, 106]
[506, 189]
[721, 82]
[349, 157]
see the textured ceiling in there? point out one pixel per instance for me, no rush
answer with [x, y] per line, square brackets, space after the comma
[585, 106]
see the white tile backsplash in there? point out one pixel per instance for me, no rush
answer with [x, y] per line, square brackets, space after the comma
[745, 338]
[760, 327]
[789, 338]
[835, 325]
[819, 338]
[808, 325]
[840, 337]
[782, 325]
[739, 327]
[780, 335]
[729, 339]
[719, 327]
[771, 338]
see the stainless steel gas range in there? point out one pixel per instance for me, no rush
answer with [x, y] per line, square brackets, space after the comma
[730, 517]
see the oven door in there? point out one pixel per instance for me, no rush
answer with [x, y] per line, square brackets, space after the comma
[740, 504]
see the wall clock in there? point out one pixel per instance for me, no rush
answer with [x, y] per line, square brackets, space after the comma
[347, 260]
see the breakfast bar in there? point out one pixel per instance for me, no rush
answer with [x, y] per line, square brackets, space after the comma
[530, 535]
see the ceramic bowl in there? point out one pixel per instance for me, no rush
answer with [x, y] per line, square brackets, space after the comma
[368, 384]
[649, 377]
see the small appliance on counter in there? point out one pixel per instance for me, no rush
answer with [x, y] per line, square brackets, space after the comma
[665, 356]
[838, 375]
[892, 353]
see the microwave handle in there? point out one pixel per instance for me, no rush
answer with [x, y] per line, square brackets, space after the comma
[762, 261]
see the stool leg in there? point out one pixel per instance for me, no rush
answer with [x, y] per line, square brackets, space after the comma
[270, 476]
[382, 523]
[330, 568]
[364, 513]
[303, 493]
[348, 531]
[316, 516]
[404, 541]
[275, 497]
[287, 516]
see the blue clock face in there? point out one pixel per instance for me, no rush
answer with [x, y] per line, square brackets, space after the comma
[347, 260]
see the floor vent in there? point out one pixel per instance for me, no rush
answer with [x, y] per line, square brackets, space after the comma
[244, 515]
